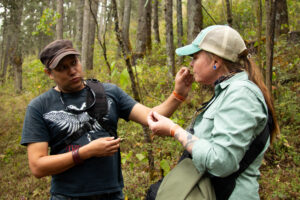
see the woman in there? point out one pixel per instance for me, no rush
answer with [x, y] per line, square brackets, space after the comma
[233, 118]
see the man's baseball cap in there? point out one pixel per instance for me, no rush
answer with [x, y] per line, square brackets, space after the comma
[54, 52]
[220, 40]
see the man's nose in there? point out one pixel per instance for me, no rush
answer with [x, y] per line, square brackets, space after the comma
[72, 70]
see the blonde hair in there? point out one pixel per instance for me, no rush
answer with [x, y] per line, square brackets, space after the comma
[255, 75]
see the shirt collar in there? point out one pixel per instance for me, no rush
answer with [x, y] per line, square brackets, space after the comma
[238, 76]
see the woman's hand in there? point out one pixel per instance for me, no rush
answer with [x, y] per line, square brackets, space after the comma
[159, 124]
[183, 81]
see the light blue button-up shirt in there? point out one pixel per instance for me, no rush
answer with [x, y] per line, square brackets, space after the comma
[237, 114]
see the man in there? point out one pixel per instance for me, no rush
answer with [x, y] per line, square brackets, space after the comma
[88, 167]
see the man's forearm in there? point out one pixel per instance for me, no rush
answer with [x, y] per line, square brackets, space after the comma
[140, 112]
[42, 164]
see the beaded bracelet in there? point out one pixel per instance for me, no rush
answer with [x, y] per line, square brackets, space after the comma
[76, 158]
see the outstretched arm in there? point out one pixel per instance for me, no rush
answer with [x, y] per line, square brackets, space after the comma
[183, 82]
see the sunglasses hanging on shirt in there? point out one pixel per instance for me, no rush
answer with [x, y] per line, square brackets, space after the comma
[88, 107]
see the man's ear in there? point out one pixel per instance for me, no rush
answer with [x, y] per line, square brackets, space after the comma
[48, 72]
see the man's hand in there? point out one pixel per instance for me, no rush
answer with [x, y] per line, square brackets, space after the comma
[105, 146]
[183, 81]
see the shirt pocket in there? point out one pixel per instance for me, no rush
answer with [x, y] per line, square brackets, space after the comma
[209, 114]
[205, 127]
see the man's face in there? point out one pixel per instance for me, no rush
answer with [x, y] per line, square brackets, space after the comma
[68, 74]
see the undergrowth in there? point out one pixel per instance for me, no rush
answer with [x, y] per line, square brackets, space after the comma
[279, 172]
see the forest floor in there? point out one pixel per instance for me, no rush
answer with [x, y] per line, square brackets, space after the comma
[280, 171]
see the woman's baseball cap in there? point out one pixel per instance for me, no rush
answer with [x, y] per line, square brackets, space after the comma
[54, 52]
[220, 40]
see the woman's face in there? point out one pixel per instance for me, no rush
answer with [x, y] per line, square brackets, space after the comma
[203, 70]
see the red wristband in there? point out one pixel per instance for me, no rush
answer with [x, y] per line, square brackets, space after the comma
[173, 129]
[76, 158]
[178, 97]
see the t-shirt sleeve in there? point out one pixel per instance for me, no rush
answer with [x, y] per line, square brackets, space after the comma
[125, 103]
[34, 127]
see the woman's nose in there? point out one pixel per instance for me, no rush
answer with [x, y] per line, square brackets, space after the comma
[192, 63]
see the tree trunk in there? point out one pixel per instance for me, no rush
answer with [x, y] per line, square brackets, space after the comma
[101, 32]
[169, 36]
[59, 25]
[270, 33]
[92, 28]
[141, 40]
[155, 21]
[3, 54]
[5, 44]
[15, 51]
[126, 25]
[68, 22]
[122, 46]
[258, 9]
[43, 39]
[282, 19]
[121, 6]
[148, 26]
[102, 20]
[85, 35]
[6, 57]
[228, 12]
[79, 23]
[195, 19]
[179, 28]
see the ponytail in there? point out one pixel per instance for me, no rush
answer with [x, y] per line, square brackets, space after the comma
[255, 76]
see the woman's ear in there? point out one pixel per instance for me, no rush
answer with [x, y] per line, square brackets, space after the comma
[218, 62]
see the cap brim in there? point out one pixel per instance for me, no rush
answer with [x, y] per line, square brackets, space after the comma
[187, 50]
[61, 56]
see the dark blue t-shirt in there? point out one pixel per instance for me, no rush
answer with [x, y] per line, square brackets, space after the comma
[46, 117]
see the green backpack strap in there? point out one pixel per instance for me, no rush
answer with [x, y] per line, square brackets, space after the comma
[185, 182]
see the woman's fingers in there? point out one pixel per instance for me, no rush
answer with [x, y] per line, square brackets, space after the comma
[150, 118]
[157, 116]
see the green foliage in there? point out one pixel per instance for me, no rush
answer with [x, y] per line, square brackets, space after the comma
[35, 79]
[7, 155]
[294, 13]
[164, 165]
[243, 14]
[47, 22]
[125, 157]
[281, 162]
[142, 157]
[124, 78]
